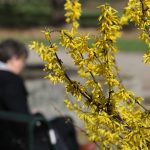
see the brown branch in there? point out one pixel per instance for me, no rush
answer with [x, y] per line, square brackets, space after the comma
[85, 94]
[90, 73]
[141, 106]
[88, 97]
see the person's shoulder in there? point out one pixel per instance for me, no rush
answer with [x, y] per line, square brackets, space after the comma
[9, 79]
[9, 76]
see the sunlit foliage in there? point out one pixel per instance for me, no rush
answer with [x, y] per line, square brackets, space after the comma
[112, 115]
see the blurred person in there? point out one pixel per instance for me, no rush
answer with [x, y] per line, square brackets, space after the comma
[13, 98]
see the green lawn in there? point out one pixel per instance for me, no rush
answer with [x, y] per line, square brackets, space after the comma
[125, 45]
[131, 45]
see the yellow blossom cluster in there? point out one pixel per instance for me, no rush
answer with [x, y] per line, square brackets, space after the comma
[73, 12]
[138, 12]
[113, 116]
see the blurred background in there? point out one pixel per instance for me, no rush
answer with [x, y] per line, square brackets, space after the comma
[25, 19]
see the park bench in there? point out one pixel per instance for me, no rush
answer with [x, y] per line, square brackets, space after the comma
[32, 122]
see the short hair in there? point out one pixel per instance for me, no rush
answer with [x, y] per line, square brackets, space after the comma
[10, 48]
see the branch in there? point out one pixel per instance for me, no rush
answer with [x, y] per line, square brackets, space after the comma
[88, 97]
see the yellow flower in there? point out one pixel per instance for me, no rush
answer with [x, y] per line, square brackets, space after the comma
[73, 12]
[147, 58]
[112, 115]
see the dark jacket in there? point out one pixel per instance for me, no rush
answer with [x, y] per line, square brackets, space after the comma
[13, 98]
[13, 94]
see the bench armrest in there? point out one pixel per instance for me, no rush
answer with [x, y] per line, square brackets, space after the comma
[17, 117]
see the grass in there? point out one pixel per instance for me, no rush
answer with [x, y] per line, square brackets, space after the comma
[124, 45]
[131, 45]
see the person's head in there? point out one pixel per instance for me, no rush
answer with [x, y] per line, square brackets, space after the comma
[13, 54]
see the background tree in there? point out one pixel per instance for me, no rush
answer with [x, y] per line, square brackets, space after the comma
[58, 11]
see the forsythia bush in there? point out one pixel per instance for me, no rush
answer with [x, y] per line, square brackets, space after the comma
[113, 116]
